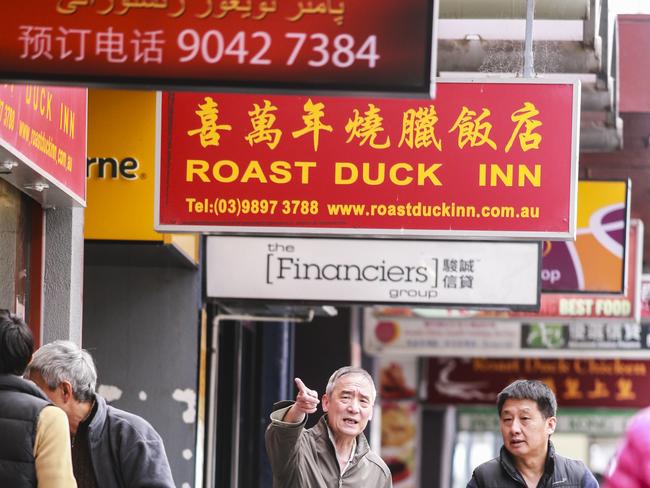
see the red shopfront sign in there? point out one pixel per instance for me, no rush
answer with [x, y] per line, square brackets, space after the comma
[579, 382]
[488, 160]
[44, 129]
[367, 45]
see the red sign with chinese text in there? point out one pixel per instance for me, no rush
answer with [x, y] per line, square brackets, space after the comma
[580, 382]
[374, 45]
[488, 159]
[46, 127]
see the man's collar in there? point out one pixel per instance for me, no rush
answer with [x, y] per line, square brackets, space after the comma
[508, 460]
[333, 440]
[362, 446]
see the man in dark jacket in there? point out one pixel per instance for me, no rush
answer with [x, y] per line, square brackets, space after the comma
[111, 448]
[528, 460]
[35, 447]
[334, 453]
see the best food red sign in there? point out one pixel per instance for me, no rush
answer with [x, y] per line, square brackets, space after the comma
[486, 159]
[376, 45]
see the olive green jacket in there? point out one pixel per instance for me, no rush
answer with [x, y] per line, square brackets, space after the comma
[306, 458]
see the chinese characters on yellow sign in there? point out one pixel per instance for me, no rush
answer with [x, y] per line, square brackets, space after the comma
[418, 127]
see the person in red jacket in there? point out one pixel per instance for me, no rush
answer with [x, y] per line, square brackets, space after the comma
[631, 468]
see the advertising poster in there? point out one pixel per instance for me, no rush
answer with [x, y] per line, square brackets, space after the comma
[400, 422]
[404, 337]
[595, 261]
[398, 377]
[400, 417]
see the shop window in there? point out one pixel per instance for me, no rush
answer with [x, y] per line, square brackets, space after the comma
[472, 449]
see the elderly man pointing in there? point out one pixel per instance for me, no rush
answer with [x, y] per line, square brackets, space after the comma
[335, 451]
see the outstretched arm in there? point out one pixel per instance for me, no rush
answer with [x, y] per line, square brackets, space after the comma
[306, 402]
[283, 434]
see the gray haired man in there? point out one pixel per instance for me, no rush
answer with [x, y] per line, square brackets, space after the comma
[111, 448]
[334, 452]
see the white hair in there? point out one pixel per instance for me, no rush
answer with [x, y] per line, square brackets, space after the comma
[345, 370]
[61, 361]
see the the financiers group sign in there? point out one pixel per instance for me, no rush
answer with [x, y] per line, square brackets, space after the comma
[374, 271]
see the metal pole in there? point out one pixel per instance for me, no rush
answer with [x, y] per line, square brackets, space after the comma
[234, 452]
[528, 47]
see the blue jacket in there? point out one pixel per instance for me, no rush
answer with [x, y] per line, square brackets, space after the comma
[126, 451]
[559, 472]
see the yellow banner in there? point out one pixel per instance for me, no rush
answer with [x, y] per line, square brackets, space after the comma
[120, 170]
[120, 165]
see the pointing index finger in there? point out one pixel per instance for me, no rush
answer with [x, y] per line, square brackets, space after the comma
[303, 388]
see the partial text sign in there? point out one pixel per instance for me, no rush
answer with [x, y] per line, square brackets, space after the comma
[601, 307]
[595, 261]
[485, 338]
[335, 44]
[44, 127]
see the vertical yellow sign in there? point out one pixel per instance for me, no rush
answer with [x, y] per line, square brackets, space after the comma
[120, 170]
[120, 165]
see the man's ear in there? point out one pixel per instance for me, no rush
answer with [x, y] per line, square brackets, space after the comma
[551, 423]
[66, 386]
[325, 403]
